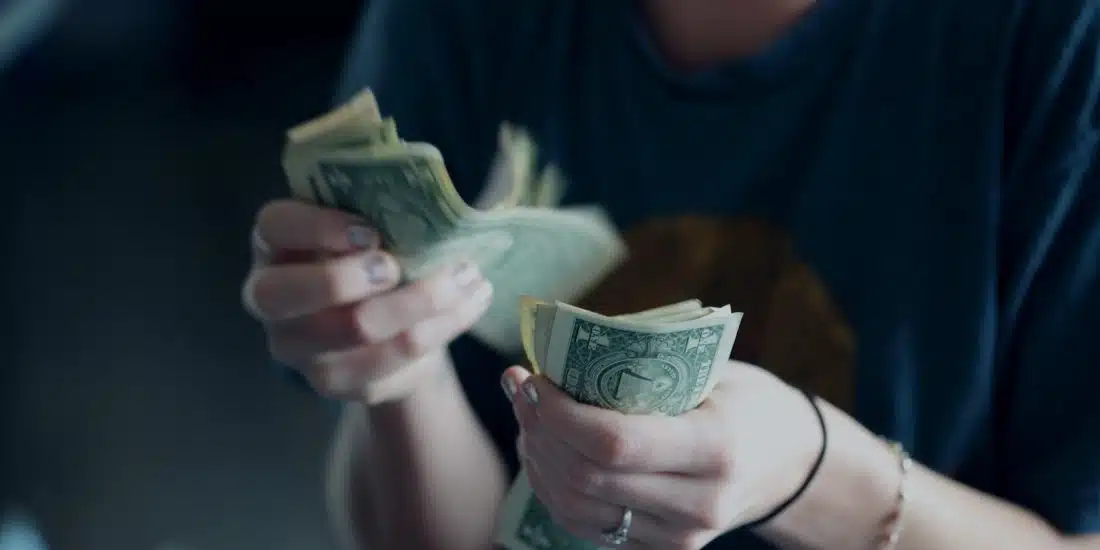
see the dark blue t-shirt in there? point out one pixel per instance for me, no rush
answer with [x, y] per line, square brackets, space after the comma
[902, 197]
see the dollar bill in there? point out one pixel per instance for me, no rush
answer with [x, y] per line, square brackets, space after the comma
[354, 160]
[660, 361]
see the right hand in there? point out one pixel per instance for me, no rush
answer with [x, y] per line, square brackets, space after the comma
[329, 301]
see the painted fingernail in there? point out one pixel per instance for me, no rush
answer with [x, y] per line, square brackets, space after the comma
[379, 270]
[464, 274]
[530, 391]
[509, 387]
[362, 237]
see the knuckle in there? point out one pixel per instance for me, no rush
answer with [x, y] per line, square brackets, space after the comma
[438, 292]
[428, 295]
[414, 341]
[721, 458]
[589, 480]
[710, 513]
[705, 518]
[366, 324]
[615, 449]
[333, 282]
[256, 293]
[711, 441]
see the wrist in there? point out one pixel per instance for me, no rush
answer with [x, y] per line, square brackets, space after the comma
[812, 446]
[414, 383]
[855, 488]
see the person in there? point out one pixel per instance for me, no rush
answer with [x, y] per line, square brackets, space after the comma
[902, 197]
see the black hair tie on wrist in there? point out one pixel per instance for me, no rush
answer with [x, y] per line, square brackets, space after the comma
[813, 470]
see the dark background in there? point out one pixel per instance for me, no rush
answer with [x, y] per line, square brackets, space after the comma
[137, 139]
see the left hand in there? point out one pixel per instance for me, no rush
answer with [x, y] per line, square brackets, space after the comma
[686, 479]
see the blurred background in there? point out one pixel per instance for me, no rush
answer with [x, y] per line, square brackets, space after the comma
[137, 138]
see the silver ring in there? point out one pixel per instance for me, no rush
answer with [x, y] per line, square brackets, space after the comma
[620, 534]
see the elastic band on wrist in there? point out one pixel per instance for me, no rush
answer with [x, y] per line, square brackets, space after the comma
[813, 470]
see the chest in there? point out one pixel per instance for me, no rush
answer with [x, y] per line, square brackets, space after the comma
[852, 216]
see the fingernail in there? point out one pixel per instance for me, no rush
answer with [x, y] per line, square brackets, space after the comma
[530, 391]
[464, 274]
[362, 237]
[509, 387]
[378, 268]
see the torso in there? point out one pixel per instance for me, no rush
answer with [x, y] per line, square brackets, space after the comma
[840, 188]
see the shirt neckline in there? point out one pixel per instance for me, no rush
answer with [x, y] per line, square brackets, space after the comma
[808, 48]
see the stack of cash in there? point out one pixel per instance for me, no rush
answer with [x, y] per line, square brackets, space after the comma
[661, 361]
[353, 159]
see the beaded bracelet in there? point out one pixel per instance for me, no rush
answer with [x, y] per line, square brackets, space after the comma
[895, 521]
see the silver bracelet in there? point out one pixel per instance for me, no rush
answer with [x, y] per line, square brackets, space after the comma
[896, 519]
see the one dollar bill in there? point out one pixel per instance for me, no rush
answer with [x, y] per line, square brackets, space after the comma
[662, 361]
[354, 160]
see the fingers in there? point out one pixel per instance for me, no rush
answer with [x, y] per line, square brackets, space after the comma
[290, 225]
[385, 315]
[359, 334]
[287, 291]
[628, 443]
[683, 502]
[331, 306]
[589, 518]
[376, 372]
[669, 510]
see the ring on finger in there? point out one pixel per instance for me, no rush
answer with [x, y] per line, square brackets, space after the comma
[620, 534]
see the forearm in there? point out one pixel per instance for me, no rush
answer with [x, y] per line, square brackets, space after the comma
[418, 474]
[847, 505]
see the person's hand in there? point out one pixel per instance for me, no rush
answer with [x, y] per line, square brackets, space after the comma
[686, 479]
[329, 301]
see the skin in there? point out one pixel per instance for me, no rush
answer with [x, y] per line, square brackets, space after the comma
[688, 479]
[326, 297]
[697, 34]
[692, 478]
[723, 468]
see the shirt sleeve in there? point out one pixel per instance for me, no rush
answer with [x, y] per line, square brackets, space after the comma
[1049, 417]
